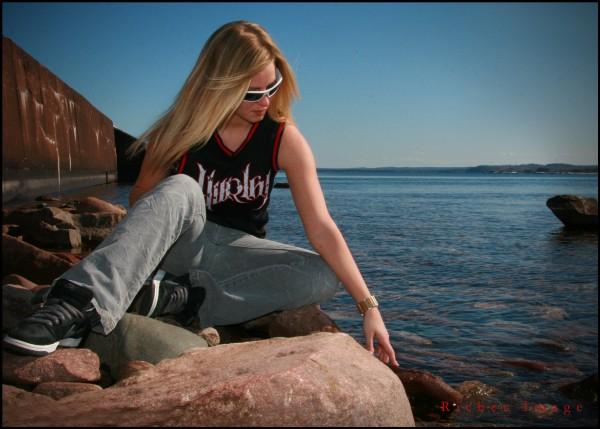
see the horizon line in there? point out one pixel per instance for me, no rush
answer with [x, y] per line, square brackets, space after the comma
[471, 166]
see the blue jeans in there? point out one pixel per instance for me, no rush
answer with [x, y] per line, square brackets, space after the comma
[245, 277]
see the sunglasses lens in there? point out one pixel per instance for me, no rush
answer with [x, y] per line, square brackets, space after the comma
[252, 97]
[273, 91]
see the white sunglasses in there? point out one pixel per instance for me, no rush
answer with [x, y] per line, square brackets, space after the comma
[255, 96]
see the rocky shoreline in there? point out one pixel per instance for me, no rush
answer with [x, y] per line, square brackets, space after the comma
[287, 368]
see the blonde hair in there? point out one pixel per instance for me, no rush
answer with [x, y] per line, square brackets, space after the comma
[213, 91]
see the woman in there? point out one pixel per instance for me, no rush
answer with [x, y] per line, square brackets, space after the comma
[196, 226]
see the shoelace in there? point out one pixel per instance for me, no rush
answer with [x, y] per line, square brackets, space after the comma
[177, 300]
[56, 311]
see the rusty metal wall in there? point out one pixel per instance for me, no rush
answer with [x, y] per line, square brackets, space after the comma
[53, 139]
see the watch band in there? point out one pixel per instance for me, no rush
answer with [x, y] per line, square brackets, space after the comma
[366, 304]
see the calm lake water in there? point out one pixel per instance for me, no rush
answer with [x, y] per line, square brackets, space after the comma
[471, 271]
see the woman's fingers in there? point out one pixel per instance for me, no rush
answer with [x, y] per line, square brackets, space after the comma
[386, 354]
[389, 352]
[370, 347]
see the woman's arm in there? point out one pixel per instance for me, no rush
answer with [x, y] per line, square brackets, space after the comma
[296, 158]
[148, 178]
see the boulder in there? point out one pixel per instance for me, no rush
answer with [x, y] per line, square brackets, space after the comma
[46, 226]
[575, 211]
[36, 264]
[51, 236]
[31, 217]
[140, 338]
[586, 389]
[12, 396]
[301, 321]
[96, 205]
[428, 393]
[71, 258]
[79, 365]
[277, 382]
[288, 323]
[99, 220]
[61, 389]
[79, 223]
[16, 279]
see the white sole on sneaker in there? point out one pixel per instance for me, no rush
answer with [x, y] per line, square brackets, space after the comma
[36, 349]
[155, 290]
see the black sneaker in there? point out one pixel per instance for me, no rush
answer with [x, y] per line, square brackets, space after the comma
[64, 319]
[165, 294]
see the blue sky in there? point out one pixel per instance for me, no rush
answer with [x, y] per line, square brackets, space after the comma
[382, 84]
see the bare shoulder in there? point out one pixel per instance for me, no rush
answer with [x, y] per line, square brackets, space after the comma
[294, 150]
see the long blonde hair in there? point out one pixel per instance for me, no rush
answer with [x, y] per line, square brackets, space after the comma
[214, 90]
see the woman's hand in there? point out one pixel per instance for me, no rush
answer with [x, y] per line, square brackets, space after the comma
[374, 328]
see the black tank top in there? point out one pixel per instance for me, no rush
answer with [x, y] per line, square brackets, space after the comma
[237, 185]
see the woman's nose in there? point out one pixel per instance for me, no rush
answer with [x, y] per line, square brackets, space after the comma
[265, 101]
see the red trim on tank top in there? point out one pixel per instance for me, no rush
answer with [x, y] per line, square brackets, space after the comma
[182, 163]
[276, 145]
[228, 151]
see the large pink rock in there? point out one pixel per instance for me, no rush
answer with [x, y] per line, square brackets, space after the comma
[324, 379]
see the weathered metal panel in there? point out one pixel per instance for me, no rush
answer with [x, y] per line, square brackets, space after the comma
[53, 139]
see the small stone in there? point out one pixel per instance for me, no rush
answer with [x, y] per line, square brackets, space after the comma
[475, 389]
[79, 365]
[133, 367]
[211, 335]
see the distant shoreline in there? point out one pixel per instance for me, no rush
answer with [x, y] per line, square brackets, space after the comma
[493, 169]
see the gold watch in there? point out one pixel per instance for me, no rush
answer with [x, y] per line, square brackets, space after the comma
[366, 304]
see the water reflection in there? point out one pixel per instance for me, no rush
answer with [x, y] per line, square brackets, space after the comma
[570, 235]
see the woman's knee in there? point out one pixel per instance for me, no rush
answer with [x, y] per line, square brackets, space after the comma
[184, 184]
[185, 190]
